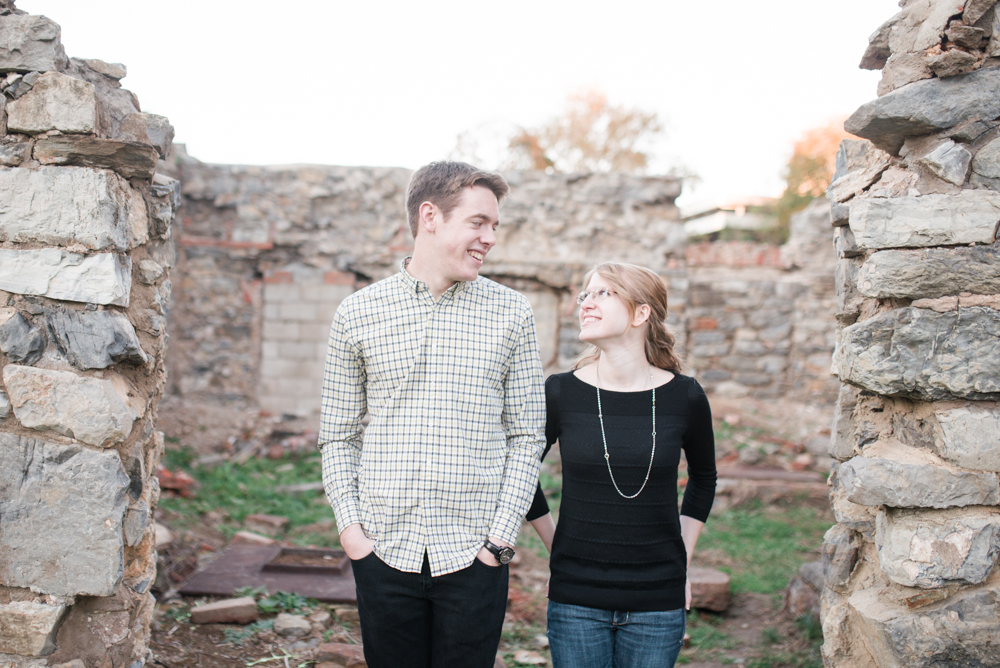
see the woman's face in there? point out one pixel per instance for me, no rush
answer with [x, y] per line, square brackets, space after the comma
[602, 319]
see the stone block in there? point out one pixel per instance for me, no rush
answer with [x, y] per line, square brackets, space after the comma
[852, 515]
[266, 524]
[840, 554]
[709, 589]
[859, 164]
[927, 106]
[930, 220]
[987, 160]
[95, 339]
[227, 611]
[341, 654]
[932, 272]
[61, 512]
[136, 521]
[4, 405]
[920, 354]
[930, 549]
[96, 411]
[951, 62]
[28, 628]
[164, 199]
[291, 626]
[103, 278]
[21, 341]
[842, 434]
[251, 538]
[130, 159]
[55, 102]
[149, 129]
[878, 481]
[30, 44]
[962, 632]
[63, 206]
[844, 243]
[970, 437]
[115, 71]
[12, 155]
[149, 271]
[949, 160]
[802, 594]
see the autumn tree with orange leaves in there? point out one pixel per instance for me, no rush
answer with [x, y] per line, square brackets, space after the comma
[810, 168]
[592, 135]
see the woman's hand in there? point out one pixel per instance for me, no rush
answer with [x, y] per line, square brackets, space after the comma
[355, 543]
[687, 593]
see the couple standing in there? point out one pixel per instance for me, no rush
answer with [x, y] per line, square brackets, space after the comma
[430, 497]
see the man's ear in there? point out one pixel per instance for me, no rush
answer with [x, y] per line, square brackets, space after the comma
[428, 217]
[642, 312]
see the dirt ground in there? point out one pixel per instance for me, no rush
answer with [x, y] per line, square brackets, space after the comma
[755, 623]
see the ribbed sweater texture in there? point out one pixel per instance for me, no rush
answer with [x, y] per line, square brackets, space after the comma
[610, 552]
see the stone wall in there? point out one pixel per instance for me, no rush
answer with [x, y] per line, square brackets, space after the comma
[84, 258]
[266, 254]
[760, 317]
[911, 576]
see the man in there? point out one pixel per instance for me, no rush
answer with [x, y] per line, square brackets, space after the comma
[430, 499]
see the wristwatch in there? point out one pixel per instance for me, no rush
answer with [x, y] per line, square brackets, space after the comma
[503, 554]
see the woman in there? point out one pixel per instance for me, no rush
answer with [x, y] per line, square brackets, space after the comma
[618, 590]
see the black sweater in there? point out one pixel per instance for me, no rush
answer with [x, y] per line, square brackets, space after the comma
[610, 552]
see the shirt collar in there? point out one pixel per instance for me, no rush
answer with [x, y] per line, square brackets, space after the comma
[416, 286]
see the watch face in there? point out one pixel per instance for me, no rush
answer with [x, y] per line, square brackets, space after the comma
[505, 555]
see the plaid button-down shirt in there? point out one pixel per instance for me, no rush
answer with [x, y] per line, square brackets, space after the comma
[454, 390]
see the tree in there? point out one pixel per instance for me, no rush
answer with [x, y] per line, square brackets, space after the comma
[809, 170]
[592, 135]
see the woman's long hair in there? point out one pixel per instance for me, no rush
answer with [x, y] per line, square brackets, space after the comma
[635, 286]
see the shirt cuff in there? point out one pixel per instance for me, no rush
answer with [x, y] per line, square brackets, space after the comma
[347, 513]
[506, 528]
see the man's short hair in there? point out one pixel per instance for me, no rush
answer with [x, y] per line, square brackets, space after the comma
[441, 184]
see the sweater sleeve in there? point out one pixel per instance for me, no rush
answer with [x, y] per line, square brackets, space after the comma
[539, 506]
[699, 449]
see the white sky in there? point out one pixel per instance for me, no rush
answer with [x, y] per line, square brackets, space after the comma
[373, 82]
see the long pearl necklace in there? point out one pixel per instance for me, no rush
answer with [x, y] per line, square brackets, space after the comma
[607, 457]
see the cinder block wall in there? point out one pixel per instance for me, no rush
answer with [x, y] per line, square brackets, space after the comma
[911, 577]
[84, 263]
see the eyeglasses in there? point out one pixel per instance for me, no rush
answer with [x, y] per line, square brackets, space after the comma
[598, 295]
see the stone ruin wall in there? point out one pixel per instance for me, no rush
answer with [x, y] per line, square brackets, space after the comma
[266, 254]
[910, 568]
[84, 259]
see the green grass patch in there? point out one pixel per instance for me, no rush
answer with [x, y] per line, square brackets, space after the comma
[240, 490]
[767, 543]
[780, 659]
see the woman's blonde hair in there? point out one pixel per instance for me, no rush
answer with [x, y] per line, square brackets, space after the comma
[635, 286]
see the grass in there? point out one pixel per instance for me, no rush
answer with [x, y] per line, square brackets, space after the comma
[240, 490]
[768, 544]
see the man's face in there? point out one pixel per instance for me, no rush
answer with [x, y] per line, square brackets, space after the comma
[467, 235]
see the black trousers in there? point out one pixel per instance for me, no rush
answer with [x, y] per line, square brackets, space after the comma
[413, 620]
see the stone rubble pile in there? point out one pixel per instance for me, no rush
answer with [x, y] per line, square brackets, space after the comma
[910, 568]
[84, 256]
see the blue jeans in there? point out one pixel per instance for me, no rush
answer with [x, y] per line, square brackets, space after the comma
[582, 637]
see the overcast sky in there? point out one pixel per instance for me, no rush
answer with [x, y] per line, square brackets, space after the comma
[394, 83]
